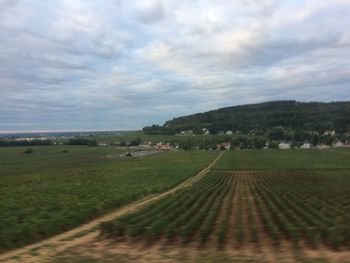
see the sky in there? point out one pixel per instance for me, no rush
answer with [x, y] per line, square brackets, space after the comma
[103, 64]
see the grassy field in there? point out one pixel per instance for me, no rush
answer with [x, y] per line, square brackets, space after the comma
[58, 187]
[256, 199]
[298, 159]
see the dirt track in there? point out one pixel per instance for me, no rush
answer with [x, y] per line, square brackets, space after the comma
[43, 250]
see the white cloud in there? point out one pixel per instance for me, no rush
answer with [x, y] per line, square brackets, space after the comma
[123, 64]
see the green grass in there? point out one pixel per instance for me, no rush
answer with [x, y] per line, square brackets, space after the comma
[284, 160]
[50, 191]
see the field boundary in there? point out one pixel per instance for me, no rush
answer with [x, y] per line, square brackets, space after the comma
[88, 230]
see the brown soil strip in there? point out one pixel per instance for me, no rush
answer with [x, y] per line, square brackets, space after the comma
[213, 237]
[265, 248]
[231, 241]
[247, 246]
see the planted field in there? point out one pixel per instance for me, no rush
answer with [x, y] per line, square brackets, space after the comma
[59, 187]
[237, 208]
[248, 160]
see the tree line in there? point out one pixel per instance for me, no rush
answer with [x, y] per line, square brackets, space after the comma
[260, 118]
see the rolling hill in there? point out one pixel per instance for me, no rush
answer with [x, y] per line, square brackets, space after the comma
[262, 117]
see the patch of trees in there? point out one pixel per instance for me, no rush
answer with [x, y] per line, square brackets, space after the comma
[82, 141]
[28, 151]
[135, 142]
[262, 118]
[11, 142]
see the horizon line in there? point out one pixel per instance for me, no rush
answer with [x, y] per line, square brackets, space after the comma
[51, 131]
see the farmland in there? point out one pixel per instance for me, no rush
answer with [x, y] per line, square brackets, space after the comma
[298, 199]
[251, 206]
[285, 160]
[59, 187]
[233, 208]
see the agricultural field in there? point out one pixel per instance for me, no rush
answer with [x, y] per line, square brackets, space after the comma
[233, 208]
[299, 200]
[298, 159]
[56, 188]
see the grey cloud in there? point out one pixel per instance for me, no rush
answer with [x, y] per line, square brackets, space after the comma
[106, 64]
[150, 12]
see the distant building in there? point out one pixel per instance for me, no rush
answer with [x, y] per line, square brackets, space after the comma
[228, 132]
[224, 146]
[322, 146]
[23, 139]
[145, 144]
[306, 145]
[284, 145]
[163, 146]
[205, 131]
[313, 133]
[338, 144]
[187, 132]
[329, 132]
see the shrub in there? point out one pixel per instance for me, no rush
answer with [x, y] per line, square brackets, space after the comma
[28, 151]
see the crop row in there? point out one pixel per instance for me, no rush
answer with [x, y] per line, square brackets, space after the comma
[238, 208]
[180, 215]
[287, 214]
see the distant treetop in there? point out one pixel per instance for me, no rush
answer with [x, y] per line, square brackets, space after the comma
[263, 117]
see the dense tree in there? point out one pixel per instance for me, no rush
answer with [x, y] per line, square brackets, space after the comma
[82, 141]
[344, 138]
[315, 139]
[35, 142]
[277, 133]
[259, 143]
[273, 145]
[28, 151]
[264, 117]
[136, 142]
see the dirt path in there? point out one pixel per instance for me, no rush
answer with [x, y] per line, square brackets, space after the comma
[232, 235]
[44, 249]
[265, 245]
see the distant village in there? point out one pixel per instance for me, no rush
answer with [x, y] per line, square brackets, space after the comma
[328, 139]
[188, 140]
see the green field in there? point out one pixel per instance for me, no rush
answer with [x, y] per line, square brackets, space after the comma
[59, 187]
[286, 160]
[263, 198]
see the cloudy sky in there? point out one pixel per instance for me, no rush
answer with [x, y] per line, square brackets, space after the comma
[104, 64]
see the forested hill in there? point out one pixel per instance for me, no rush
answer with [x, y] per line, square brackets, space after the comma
[262, 117]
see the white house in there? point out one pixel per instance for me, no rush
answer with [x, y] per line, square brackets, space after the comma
[322, 146]
[205, 131]
[188, 132]
[284, 145]
[228, 132]
[329, 132]
[338, 144]
[306, 145]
